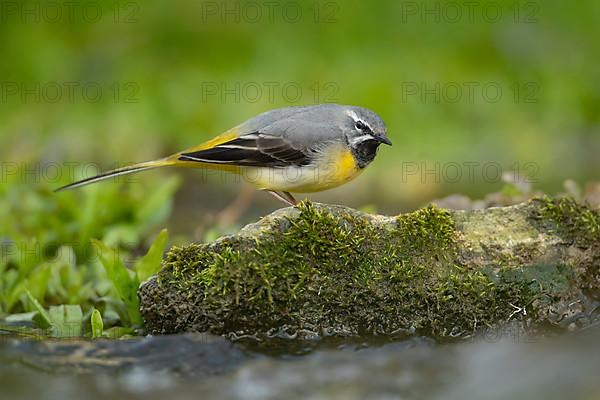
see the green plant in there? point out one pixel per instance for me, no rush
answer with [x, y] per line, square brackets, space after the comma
[67, 320]
[52, 247]
[126, 281]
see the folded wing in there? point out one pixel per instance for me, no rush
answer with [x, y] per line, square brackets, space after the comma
[255, 149]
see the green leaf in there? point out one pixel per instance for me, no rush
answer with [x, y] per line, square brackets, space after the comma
[122, 280]
[151, 262]
[20, 317]
[97, 324]
[13, 295]
[116, 271]
[37, 282]
[46, 320]
[66, 321]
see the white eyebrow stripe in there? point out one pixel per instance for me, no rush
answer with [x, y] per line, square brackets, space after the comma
[356, 118]
[352, 115]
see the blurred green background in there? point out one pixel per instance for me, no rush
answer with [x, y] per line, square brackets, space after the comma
[469, 90]
[113, 83]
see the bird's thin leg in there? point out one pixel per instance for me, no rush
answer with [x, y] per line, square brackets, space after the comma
[291, 198]
[281, 197]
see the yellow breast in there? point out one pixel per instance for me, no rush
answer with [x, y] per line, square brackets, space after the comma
[335, 167]
[342, 166]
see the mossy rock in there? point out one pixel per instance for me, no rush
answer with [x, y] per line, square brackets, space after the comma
[323, 270]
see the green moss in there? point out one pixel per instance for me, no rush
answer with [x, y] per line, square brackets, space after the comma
[579, 226]
[338, 271]
[565, 217]
[427, 234]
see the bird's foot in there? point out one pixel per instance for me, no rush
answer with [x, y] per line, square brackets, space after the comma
[286, 197]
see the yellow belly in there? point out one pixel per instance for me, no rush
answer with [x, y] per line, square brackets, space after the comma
[335, 168]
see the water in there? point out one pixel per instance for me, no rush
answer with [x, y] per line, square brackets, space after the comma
[192, 366]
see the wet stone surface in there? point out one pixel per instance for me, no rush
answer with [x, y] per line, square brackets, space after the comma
[504, 364]
[319, 270]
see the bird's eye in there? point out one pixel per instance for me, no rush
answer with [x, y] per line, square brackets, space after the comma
[361, 126]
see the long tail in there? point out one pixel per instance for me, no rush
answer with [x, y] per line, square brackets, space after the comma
[173, 160]
[121, 171]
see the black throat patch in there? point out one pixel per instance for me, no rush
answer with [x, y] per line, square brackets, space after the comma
[365, 151]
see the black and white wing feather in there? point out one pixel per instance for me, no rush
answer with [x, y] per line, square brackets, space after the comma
[253, 150]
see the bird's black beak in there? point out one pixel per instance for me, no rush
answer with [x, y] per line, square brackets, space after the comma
[382, 138]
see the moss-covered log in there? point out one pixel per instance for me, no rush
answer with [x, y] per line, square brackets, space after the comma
[329, 270]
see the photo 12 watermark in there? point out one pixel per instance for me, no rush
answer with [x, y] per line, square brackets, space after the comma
[270, 92]
[68, 92]
[469, 11]
[55, 173]
[62, 252]
[468, 172]
[514, 331]
[270, 11]
[52, 12]
[469, 92]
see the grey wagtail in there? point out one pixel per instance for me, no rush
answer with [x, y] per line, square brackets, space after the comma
[292, 149]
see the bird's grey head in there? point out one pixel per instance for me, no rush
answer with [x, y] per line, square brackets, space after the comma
[364, 131]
